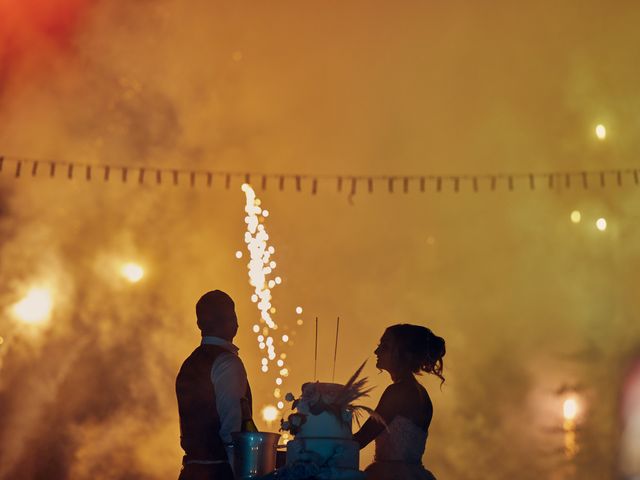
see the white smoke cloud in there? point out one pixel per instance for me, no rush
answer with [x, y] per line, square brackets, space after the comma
[526, 300]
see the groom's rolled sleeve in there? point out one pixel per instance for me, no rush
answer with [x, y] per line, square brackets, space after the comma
[230, 382]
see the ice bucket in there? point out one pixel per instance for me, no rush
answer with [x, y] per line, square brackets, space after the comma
[253, 454]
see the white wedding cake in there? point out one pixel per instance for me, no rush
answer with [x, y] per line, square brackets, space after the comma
[321, 425]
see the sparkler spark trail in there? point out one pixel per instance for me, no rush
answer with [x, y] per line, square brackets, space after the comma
[261, 266]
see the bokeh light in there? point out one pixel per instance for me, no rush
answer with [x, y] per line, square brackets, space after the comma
[35, 307]
[270, 413]
[133, 272]
[576, 216]
[570, 408]
[601, 224]
[601, 132]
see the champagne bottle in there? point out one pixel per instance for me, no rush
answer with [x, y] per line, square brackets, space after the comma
[248, 425]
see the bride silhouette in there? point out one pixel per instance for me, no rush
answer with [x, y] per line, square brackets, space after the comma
[404, 351]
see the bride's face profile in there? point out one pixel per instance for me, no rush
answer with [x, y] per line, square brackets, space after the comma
[384, 353]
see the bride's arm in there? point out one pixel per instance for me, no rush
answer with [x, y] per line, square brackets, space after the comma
[372, 428]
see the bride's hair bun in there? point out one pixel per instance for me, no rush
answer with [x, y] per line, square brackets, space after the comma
[419, 349]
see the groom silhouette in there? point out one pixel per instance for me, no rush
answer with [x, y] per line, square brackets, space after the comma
[214, 398]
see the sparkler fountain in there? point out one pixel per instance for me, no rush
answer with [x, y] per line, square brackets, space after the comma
[261, 268]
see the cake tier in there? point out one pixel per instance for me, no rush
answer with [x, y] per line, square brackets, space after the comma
[341, 474]
[317, 397]
[323, 388]
[326, 425]
[337, 452]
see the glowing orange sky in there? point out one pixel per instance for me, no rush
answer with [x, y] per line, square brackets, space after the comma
[527, 300]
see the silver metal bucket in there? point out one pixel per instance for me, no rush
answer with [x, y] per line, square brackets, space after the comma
[253, 454]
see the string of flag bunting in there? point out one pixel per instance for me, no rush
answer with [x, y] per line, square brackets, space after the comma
[148, 175]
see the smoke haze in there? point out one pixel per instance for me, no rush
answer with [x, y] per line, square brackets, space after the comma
[527, 301]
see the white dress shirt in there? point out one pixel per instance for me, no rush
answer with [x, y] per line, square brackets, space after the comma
[229, 380]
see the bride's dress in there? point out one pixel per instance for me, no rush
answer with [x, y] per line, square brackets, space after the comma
[399, 451]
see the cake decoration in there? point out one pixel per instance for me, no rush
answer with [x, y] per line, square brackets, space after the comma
[321, 420]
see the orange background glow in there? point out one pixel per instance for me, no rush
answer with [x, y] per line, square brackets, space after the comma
[533, 306]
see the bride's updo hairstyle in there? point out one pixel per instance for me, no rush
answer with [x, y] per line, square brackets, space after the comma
[418, 349]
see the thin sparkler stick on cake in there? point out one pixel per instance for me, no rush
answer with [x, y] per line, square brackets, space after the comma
[335, 350]
[315, 358]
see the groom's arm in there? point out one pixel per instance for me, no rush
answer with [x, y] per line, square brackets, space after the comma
[230, 383]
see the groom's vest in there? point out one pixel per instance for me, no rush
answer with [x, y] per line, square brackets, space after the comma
[199, 419]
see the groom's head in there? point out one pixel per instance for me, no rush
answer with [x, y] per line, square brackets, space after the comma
[216, 315]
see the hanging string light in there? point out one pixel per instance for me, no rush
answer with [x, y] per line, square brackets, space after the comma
[349, 184]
